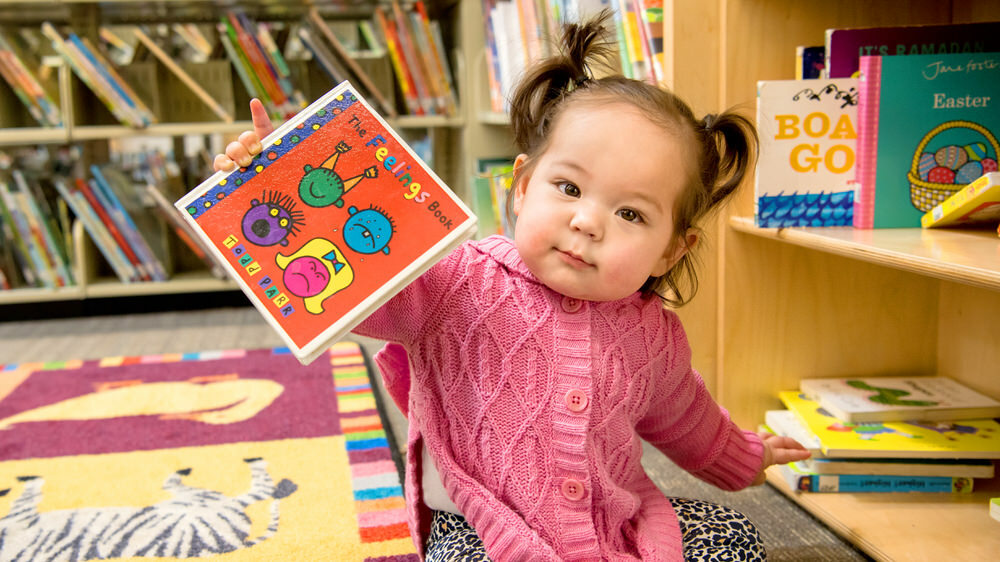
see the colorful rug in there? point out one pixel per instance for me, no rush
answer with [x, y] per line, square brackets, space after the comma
[235, 455]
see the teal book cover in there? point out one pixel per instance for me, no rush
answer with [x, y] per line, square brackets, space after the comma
[927, 127]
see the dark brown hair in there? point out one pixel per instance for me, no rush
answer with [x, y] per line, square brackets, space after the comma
[722, 148]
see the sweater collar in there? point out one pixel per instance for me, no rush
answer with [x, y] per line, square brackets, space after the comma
[503, 250]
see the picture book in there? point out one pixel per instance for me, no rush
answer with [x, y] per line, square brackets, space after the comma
[807, 130]
[845, 46]
[798, 478]
[882, 399]
[976, 203]
[786, 424]
[964, 439]
[927, 127]
[810, 62]
[335, 216]
[966, 468]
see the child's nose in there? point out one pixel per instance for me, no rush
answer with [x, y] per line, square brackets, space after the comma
[587, 221]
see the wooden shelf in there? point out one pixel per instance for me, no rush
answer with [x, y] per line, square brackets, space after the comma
[198, 282]
[27, 295]
[934, 521]
[33, 135]
[971, 257]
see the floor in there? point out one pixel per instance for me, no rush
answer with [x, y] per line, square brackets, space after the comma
[789, 533]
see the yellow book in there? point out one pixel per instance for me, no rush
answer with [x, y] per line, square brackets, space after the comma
[978, 202]
[968, 439]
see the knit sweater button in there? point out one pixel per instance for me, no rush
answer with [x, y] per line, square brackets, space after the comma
[572, 489]
[569, 304]
[576, 400]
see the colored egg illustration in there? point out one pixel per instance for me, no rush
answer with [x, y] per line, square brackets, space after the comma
[968, 173]
[989, 165]
[941, 174]
[926, 164]
[976, 151]
[951, 156]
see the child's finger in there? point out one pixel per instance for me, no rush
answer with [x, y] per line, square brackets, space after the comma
[223, 163]
[251, 141]
[237, 152]
[261, 121]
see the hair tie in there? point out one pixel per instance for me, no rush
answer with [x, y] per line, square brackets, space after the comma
[709, 121]
[581, 79]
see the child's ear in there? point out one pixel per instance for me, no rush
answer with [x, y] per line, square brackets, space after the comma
[675, 251]
[521, 182]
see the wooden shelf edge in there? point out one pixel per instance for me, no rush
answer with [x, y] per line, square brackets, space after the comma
[30, 295]
[33, 135]
[183, 283]
[961, 256]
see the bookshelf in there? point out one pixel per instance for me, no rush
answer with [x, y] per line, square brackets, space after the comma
[89, 125]
[780, 305]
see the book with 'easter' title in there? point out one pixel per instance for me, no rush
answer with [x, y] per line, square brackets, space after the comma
[335, 216]
[927, 127]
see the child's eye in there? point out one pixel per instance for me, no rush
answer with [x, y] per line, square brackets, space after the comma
[568, 189]
[630, 215]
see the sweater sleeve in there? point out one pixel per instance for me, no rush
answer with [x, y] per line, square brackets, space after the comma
[404, 316]
[686, 424]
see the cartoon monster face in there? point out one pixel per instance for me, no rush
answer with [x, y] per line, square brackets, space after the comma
[368, 231]
[306, 276]
[272, 221]
[315, 272]
[321, 187]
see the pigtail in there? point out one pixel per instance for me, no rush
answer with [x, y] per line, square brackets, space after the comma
[730, 152]
[546, 83]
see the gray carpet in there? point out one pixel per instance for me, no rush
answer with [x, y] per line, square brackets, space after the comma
[790, 533]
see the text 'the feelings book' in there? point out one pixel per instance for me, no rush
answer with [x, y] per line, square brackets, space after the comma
[334, 217]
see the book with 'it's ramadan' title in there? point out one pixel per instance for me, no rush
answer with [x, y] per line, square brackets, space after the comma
[335, 216]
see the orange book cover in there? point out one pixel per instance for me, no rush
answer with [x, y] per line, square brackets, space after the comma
[333, 218]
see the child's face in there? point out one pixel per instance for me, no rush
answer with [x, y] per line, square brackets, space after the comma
[595, 217]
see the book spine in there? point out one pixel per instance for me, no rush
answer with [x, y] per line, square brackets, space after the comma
[234, 59]
[867, 147]
[139, 244]
[101, 237]
[79, 68]
[258, 64]
[9, 233]
[31, 244]
[140, 106]
[403, 77]
[492, 57]
[23, 81]
[425, 56]
[444, 68]
[102, 213]
[409, 56]
[857, 483]
[43, 233]
[106, 78]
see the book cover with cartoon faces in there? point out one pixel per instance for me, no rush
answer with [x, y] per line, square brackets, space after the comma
[331, 218]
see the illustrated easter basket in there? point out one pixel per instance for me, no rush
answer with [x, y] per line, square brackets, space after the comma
[957, 164]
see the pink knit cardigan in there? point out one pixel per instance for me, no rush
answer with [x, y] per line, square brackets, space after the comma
[533, 404]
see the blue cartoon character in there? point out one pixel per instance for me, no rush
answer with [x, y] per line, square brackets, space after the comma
[322, 186]
[368, 231]
[315, 272]
[271, 220]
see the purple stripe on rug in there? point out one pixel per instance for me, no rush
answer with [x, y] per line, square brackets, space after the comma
[359, 413]
[369, 455]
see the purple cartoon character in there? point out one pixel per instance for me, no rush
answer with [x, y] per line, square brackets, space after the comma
[272, 220]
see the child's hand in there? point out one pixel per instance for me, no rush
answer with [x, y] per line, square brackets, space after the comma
[779, 450]
[241, 152]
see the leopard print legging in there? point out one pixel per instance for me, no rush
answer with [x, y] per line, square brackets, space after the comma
[710, 532]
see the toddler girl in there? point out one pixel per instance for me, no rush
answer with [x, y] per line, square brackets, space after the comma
[529, 369]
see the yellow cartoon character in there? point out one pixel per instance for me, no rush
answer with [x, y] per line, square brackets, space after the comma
[317, 271]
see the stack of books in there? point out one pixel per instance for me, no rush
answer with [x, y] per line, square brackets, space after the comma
[888, 434]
